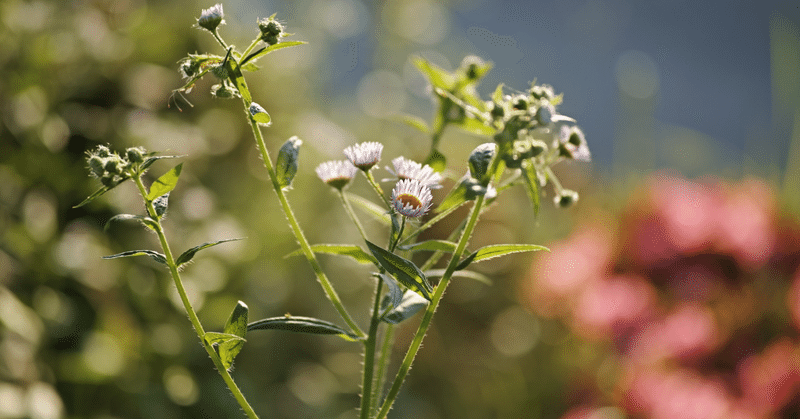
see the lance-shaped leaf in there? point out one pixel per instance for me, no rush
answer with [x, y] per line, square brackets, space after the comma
[358, 254]
[146, 221]
[94, 196]
[371, 208]
[406, 272]
[531, 184]
[456, 197]
[497, 250]
[216, 338]
[410, 305]
[264, 51]
[430, 245]
[300, 324]
[437, 76]
[438, 273]
[416, 122]
[165, 183]
[286, 166]
[236, 326]
[152, 159]
[189, 254]
[236, 77]
[395, 293]
[158, 257]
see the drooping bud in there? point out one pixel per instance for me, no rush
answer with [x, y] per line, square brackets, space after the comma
[211, 18]
[479, 161]
[286, 166]
[566, 198]
[544, 115]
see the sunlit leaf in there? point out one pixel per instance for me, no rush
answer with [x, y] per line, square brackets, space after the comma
[286, 165]
[437, 76]
[395, 293]
[497, 250]
[531, 184]
[146, 221]
[410, 305]
[405, 271]
[272, 48]
[152, 159]
[158, 257]
[215, 338]
[436, 160]
[300, 324]
[377, 212]
[430, 245]
[236, 326]
[94, 196]
[189, 254]
[438, 273]
[356, 253]
[165, 183]
[416, 123]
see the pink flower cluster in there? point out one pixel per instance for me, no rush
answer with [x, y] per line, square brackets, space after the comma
[694, 289]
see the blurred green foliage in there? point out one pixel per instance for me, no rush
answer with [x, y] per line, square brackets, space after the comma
[85, 338]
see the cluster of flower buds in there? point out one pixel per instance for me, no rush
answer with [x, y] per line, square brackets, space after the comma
[110, 167]
[271, 30]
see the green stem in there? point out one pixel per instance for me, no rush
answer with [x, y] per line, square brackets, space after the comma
[426, 319]
[430, 223]
[219, 39]
[386, 352]
[377, 188]
[298, 232]
[352, 214]
[369, 354]
[250, 48]
[198, 327]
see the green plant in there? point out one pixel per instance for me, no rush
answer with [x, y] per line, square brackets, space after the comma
[529, 137]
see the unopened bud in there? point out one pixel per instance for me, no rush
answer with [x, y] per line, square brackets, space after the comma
[479, 161]
[211, 18]
[286, 166]
[566, 198]
[96, 165]
[544, 115]
[135, 154]
[271, 30]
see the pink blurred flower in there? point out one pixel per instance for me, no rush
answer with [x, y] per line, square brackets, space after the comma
[678, 394]
[688, 334]
[617, 306]
[746, 224]
[769, 380]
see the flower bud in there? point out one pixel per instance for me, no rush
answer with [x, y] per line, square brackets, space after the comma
[479, 161]
[473, 67]
[271, 30]
[542, 92]
[113, 165]
[259, 114]
[520, 102]
[544, 115]
[223, 91]
[108, 180]
[102, 151]
[286, 166]
[135, 154]
[497, 110]
[566, 198]
[211, 18]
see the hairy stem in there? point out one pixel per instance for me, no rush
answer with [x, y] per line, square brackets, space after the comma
[198, 327]
[386, 352]
[298, 232]
[352, 214]
[369, 353]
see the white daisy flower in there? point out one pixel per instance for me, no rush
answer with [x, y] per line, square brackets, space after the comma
[336, 173]
[411, 198]
[409, 169]
[364, 155]
[211, 18]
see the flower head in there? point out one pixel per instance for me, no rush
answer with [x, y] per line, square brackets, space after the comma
[409, 169]
[411, 198]
[364, 155]
[211, 18]
[336, 173]
[573, 144]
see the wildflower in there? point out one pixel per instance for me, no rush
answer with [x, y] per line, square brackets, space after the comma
[364, 155]
[409, 169]
[411, 198]
[211, 18]
[573, 144]
[336, 173]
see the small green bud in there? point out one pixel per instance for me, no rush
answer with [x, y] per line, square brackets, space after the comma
[542, 92]
[223, 91]
[286, 166]
[103, 151]
[96, 165]
[108, 180]
[271, 30]
[566, 198]
[211, 18]
[189, 68]
[544, 115]
[479, 161]
[259, 114]
[473, 67]
[135, 154]
[113, 165]
[220, 71]
[520, 102]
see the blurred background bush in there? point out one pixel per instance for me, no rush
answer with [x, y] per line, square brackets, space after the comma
[675, 295]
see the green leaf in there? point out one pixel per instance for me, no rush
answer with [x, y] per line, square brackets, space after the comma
[416, 123]
[165, 183]
[189, 254]
[236, 326]
[456, 197]
[146, 221]
[437, 76]
[410, 305]
[259, 114]
[160, 205]
[372, 209]
[152, 159]
[497, 95]
[431, 245]
[475, 126]
[94, 196]
[158, 257]
[352, 251]
[300, 324]
[438, 273]
[531, 184]
[436, 160]
[406, 272]
[286, 165]
[272, 48]
[497, 250]
[236, 77]
[214, 338]
[395, 294]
